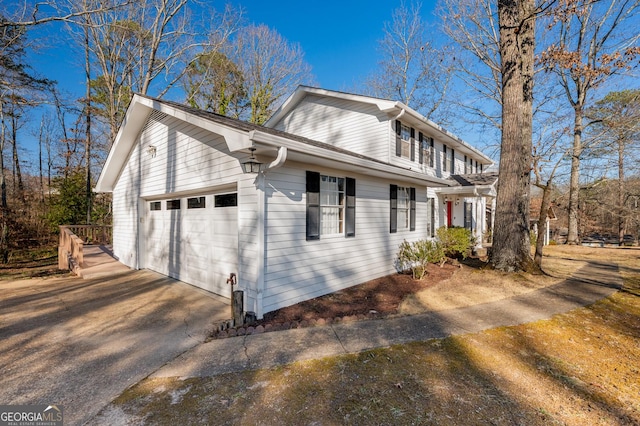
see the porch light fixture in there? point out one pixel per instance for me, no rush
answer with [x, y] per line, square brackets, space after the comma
[151, 150]
[252, 165]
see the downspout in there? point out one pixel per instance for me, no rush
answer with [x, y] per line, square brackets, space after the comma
[261, 237]
[279, 161]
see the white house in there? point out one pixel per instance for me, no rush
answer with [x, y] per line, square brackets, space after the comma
[344, 180]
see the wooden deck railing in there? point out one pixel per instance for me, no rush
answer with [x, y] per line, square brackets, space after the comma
[72, 241]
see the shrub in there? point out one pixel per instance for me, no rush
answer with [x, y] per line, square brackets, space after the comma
[416, 256]
[456, 242]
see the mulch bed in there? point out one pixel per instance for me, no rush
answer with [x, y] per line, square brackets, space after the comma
[379, 297]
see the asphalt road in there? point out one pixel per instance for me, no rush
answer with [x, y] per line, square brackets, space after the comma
[80, 343]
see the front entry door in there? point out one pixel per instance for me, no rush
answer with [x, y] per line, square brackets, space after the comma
[449, 214]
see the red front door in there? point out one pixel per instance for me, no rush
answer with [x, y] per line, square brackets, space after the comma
[449, 214]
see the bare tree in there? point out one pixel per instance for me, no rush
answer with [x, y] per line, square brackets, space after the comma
[134, 45]
[413, 69]
[472, 25]
[616, 120]
[271, 67]
[29, 14]
[592, 45]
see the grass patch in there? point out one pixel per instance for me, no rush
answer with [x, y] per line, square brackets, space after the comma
[581, 367]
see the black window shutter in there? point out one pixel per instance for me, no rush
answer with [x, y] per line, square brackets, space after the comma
[412, 211]
[313, 206]
[398, 141]
[413, 144]
[453, 160]
[393, 196]
[350, 212]
[432, 153]
[444, 158]
[420, 148]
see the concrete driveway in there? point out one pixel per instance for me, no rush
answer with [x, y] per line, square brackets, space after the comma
[80, 343]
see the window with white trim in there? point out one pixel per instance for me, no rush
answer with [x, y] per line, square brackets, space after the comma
[331, 205]
[431, 217]
[403, 208]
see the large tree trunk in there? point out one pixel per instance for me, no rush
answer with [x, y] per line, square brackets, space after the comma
[511, 249]
[574, 181]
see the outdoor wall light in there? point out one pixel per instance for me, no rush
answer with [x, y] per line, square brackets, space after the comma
[151, 150]
[251, 165]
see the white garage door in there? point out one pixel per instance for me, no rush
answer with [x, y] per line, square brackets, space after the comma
[194, 239]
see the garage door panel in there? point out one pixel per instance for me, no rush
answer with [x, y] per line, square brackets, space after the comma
[197, 245]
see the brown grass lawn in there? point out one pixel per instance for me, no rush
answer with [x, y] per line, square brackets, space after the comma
[579, 368]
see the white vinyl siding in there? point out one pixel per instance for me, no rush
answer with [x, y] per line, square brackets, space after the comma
[297, 269]
[186, 160]
[354, 126]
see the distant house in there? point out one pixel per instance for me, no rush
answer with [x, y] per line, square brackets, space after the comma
[343, 180]
[534, 216]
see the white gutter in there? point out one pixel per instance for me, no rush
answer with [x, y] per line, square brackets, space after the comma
[280, 159]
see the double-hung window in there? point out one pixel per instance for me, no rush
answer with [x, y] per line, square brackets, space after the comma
[403, 208]
[468, 215]
[426, 150]
[405, 141]
[330, 206]
[431, 217]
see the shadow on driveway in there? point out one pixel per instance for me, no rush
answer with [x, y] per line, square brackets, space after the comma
[80, 343]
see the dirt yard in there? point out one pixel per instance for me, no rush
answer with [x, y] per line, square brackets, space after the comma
[578, 368]
[450, 286]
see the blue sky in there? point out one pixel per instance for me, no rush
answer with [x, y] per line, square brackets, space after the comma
[339, 38]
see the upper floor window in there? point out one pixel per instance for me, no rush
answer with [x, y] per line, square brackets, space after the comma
[405, 141]
[466, 166]
[426, 150]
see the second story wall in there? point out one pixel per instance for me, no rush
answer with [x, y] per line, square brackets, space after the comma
[424, 149]
[355, 126]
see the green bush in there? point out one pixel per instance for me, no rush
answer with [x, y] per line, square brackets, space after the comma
[456, 242]
[416, 256]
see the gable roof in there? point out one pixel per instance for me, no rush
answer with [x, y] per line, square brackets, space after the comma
[390, 107]
[240, 137]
